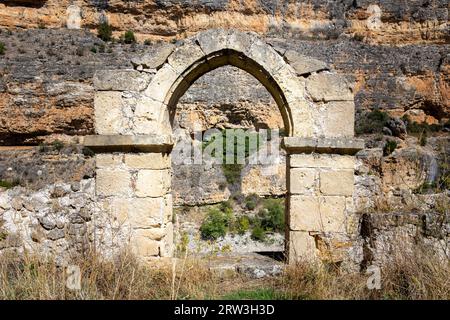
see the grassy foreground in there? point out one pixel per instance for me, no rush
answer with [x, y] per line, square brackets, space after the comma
[410, 276]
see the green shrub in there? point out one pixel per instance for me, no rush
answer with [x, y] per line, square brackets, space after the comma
[426, 187]
[227, 207]
[258, 233]
[389, 147]
[8, 184]
[242, 225]
[372, 122]
[147, 42]
[87, 152]
[423, 139]
[94, 50]
[129, 37]
[183, 244]
[2, 48]
[104, 31]
[251, 201]
[273, 216]
[215, 225]
[232, 172]
[415, 129]
[57, 145]
[101, 48]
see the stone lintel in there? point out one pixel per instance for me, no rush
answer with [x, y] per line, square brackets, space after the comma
[295, 145]
[129, 143]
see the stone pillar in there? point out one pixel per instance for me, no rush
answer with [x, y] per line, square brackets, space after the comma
[133, 183]
[320, 188]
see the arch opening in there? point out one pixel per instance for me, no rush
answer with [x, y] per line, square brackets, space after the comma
[246, 204]
[222, 58]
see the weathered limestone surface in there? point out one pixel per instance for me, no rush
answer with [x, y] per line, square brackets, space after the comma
[121, 80]
[337, 182]
[321, 201]
[135, 189]
[328, 87]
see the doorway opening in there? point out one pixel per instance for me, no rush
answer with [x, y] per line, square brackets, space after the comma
[229, 209]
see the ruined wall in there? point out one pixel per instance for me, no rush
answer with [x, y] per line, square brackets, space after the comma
[397, 54]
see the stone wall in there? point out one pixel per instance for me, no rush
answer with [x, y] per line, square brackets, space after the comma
[135, 189]
[60, 220]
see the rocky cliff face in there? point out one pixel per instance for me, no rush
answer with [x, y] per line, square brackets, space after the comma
[378, 21]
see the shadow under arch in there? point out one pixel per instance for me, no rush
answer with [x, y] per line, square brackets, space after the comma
[222, 58]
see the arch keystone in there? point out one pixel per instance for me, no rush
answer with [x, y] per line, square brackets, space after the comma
[212, 40]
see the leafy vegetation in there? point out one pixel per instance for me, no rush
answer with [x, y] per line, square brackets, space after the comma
[272, 216]
[258, 233]
[216, 224]
[242, 225]
[372, 122]
[2, 48]
[221, 220]
[104, 31]
[251, 201]
[56, 145]
[232, 172]
[389, 147]
[423, 130]
[8, 184]
[129, 37]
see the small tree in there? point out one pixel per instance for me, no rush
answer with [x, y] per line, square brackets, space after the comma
[129, 37]
[104, 31]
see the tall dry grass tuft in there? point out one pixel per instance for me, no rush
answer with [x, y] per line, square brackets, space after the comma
[409, 275]
[34, 277]
[416, 274]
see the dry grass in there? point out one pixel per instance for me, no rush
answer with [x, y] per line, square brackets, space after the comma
[415, 275]
[410, 276]
[33, 277]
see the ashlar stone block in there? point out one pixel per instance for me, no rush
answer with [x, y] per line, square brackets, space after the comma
[152, 183]
[108, 112]
[301, 247]
[154, 161]
[108, 160]
[327, 86]
[304, 213]
[185, 56]
[332, 214]
[302, 181]
[113, 182]
[321, 161]
[139, 212]
[212, 40]
[337, 182]
[143, 243]
[336, 119]
[161, 83]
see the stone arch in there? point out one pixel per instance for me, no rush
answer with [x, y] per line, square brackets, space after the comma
[133, 140]
[216, 48]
